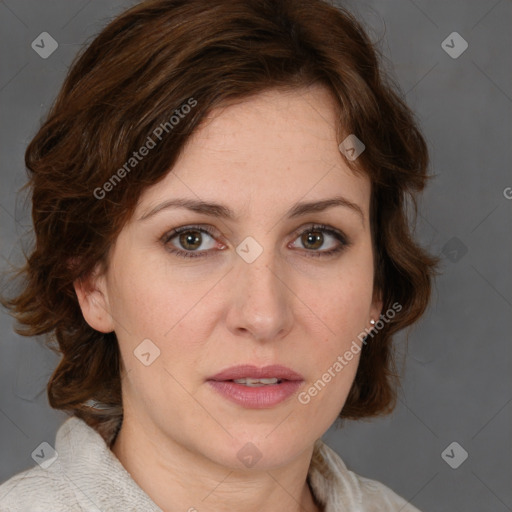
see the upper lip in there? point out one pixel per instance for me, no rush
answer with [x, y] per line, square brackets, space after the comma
[253, 372]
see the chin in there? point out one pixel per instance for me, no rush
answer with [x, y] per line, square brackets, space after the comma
[256, 450]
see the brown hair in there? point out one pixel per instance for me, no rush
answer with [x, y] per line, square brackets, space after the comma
[129, 81]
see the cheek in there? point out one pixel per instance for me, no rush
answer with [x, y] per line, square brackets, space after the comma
[140, 303]
[170, 310]
[343, 301]
[339, 315]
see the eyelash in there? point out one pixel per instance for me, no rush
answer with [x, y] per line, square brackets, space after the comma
[167, 237]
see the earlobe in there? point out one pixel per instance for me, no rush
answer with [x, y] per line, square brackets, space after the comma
[376, 309]
[93, 299]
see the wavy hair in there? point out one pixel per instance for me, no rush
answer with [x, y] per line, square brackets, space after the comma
[130, 80]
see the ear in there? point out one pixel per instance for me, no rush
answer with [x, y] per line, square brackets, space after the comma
[93, 299]
[376, 307]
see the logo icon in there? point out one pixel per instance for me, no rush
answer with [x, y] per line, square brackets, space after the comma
[146, 352]
[351, 147]
[454, 455]
[454, 45]
[44, 45]
[249, 250]
[454, 249]
[44, 455]
[249, 455]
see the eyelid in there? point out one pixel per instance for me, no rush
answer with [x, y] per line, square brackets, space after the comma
[312, 226]
[184, 254]
[213, 232]
[343, 241]
[168, 235]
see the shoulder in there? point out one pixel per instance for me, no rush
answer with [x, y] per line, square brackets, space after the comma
[376, 497]
[341, 489]
[50, 485]
[35, 490]
[80, 473]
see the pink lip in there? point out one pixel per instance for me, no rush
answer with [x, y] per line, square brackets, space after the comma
[257, 397]
[248, 370]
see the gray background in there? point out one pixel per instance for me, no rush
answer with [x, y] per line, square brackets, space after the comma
[456, 384]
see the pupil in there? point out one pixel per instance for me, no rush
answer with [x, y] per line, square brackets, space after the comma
[189, 240]
[313, 239]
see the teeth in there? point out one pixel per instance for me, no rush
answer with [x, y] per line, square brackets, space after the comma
[256, 382]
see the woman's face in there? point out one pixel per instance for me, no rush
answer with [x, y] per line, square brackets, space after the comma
[262, 287]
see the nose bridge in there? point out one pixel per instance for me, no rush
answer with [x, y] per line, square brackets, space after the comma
[261, 300]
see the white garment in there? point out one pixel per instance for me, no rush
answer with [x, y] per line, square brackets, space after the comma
[86, 476]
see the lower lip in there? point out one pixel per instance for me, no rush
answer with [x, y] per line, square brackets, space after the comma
[259, 397]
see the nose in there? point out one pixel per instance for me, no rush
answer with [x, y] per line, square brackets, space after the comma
[261, 299]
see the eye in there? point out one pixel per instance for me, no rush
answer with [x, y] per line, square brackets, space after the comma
[189, 241]
[198, 241]
[317, 236]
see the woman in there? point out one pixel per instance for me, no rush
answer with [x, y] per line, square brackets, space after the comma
[222, 258]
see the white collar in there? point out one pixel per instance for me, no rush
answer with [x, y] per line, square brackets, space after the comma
[99, 480]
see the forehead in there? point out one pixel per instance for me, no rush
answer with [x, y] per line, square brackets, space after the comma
[268, 151]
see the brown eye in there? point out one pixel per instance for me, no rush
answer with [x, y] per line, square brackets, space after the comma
[319, 240]
[312, 239]
[190, 240]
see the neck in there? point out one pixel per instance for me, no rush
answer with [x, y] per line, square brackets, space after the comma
[176, 478]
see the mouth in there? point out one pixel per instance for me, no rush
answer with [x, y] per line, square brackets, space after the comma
[255, 383]
[250, 375]
[256, 388]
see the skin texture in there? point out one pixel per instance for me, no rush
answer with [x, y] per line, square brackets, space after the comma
[180, 438]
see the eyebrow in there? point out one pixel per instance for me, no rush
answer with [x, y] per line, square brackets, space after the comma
[223, 212]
